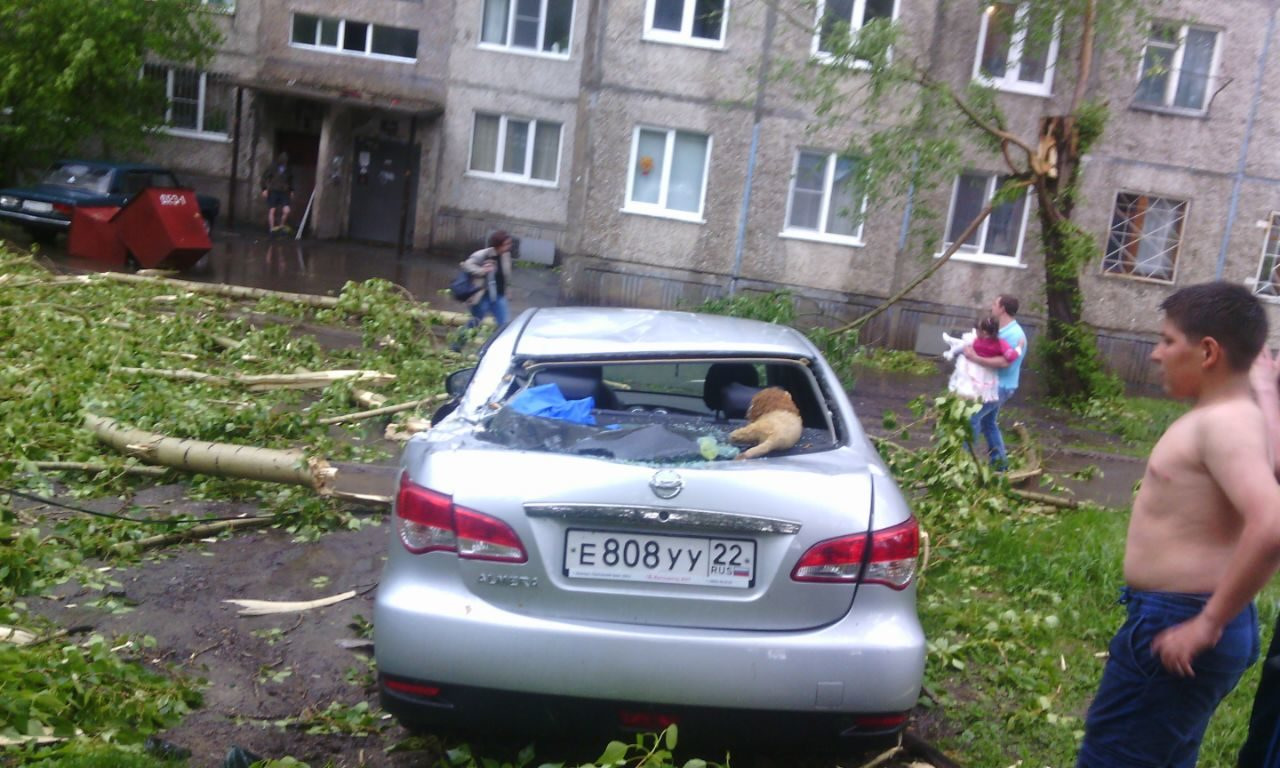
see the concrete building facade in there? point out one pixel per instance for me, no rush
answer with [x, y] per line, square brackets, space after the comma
[661, 147]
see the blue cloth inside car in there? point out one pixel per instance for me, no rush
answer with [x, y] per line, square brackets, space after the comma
[547, 401]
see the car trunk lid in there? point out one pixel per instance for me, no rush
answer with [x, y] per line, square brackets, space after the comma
[711, 544]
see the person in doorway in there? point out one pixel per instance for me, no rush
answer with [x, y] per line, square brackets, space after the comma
[277, 190]
[1203, 539]
[490, 270]
[1262, 744]
[1008, 372]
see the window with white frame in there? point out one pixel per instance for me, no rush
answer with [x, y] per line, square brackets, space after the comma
[837, 18]
[195, 102]
[356, 38]
[1146, 232]
[668, 173]
[1177, 67]
[515, 149]
[1016, 50]
[825, 202]
[530, 25]
[689, 22]
[998, 239]
[1268, 282]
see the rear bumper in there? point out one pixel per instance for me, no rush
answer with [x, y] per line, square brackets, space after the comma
[871, 661]
[487, 712]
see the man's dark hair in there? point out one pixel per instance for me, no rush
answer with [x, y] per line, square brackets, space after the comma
[1010, 303]
[1227, 313]
[498, 238]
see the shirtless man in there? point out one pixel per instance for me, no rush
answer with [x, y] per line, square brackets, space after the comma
[1204, 538]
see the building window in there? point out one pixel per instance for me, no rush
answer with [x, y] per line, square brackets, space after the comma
[1268, 282]
[1177, 67]
[689, 22]
[355, 38]
[998, 239]
[1145, 234]
[531, 25]
[1011, 54]
[838, 18]
[195, 102]
[668, 173]
[825, 203]
[515, 149]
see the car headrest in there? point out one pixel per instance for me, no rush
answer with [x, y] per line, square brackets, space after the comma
[720, 375]
[735, 399]
[575, 383]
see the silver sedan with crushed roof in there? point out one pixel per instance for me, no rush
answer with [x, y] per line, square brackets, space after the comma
[598, 559]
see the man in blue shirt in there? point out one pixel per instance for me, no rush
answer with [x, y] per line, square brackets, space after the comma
[984, 421]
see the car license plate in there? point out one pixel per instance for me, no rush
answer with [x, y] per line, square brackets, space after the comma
[690, 560]
[36, 206]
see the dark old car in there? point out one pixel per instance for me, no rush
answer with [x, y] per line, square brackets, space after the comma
[44, 209]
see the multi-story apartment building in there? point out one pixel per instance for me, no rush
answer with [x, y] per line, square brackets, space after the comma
[651, 141]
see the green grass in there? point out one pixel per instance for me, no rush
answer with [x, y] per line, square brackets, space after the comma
[1015, 615]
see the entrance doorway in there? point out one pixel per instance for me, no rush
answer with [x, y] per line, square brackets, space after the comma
[304, 152]
[384, 188]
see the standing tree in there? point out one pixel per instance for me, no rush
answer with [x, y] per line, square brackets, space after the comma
[70, 72]
[930, 124]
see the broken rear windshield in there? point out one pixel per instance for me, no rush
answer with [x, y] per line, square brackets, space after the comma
[660, 412]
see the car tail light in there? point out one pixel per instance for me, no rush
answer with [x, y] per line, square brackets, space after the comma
[62, 208]
[892, 561]
[429, 521]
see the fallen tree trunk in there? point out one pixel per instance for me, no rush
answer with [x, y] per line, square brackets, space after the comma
[292, 467]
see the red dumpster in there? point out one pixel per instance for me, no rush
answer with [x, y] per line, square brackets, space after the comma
[162, 228]
[93, 235]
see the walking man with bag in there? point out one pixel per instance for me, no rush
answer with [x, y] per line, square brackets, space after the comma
[490, 270]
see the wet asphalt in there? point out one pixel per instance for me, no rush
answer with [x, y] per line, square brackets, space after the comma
[323, 267]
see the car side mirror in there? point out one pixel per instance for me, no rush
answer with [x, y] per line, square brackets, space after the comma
[456, 383]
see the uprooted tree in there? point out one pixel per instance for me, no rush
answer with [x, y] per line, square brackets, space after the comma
[918, 129]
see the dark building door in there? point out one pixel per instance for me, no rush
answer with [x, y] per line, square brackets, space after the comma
[383, 190]
[303, 150]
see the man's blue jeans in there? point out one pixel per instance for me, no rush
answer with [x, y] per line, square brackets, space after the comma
[984, 423]
[1144, 717]
[487, 306]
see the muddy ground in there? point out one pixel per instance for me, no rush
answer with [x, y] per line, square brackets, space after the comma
[270, 677]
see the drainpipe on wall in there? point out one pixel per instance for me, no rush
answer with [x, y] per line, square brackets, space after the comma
[1238, 182]
[746, 205]
[235, 158]
[770, 22]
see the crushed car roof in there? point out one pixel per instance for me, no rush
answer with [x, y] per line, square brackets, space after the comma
[561, 332]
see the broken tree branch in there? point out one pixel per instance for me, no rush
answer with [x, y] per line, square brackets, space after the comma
[381, 411]
[84, 466]
[241, 292]
[292, 467]
[260, 382]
